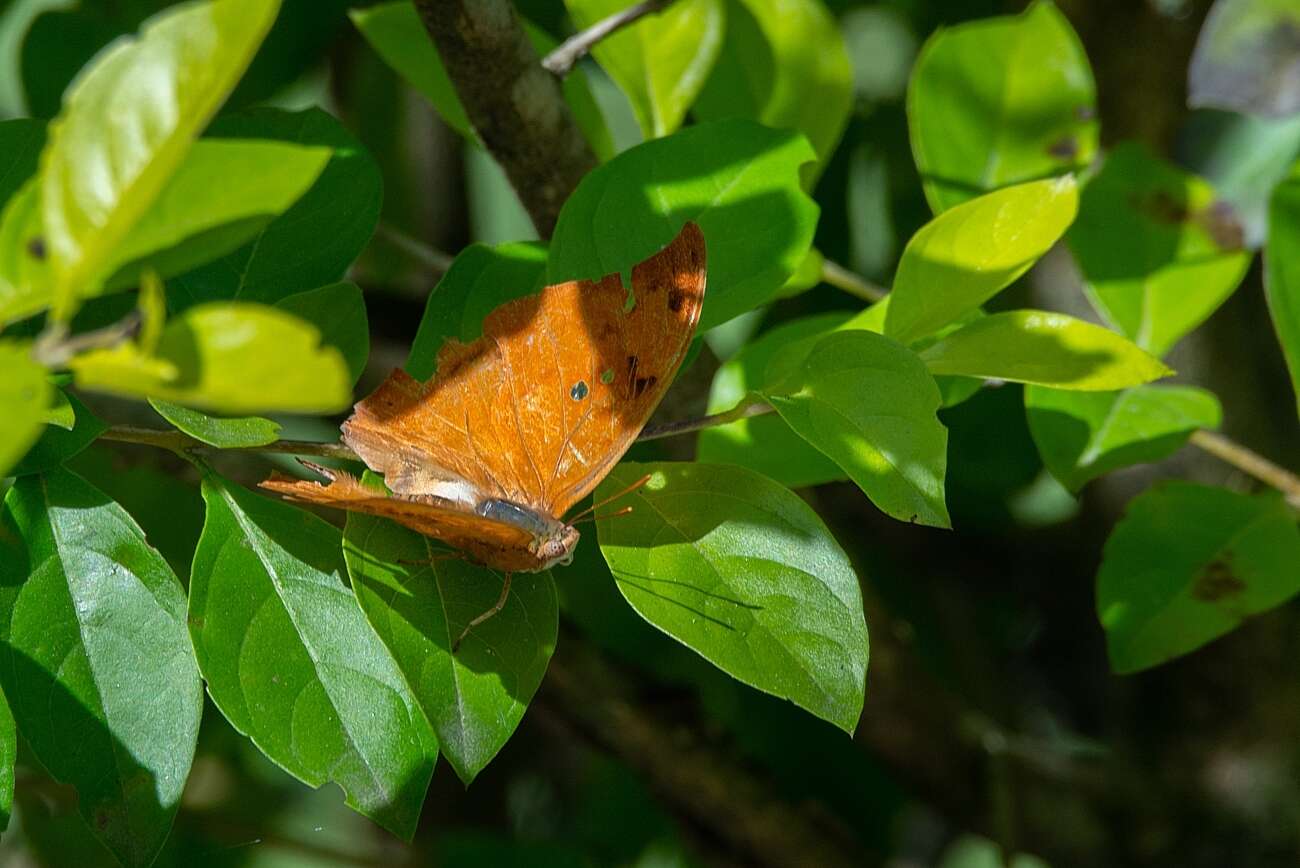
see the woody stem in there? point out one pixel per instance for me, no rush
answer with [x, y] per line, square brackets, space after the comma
[562, 59]
[1251, 463]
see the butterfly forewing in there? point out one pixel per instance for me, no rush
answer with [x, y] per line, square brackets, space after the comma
[539, 408]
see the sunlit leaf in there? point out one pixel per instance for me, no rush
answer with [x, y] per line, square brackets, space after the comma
[339, 311]
[24, 395]
[314, 242]
[475, 697]
[743, 572]
[1282, 273]
[968, 254]
[1159, 253]
[869, 404]
[97, 666]
[1247, 58]
[738, 180]
[660, 61]
[126, 125]
[1049, 349]
[1000, 101]
[1189, 563]
[291, 662]
[1082, 435]
[783, 63]
[229, 358]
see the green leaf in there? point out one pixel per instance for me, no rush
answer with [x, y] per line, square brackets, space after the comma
[291, 662]
[21, 141]
[1083, 435]
[1048, 349]
[233, 358]
[738, 180]
[60, 412]
[96, 663]
[743, 572]
[8, 759]
[869, 404]
[1282, 273]
[398, 35]
[1189, 563]
[1001, 101]
[339, 311]
[481, 278]
[188, 225]
[1158, 252]
[1247, 58]
[971, 252]
[222, 432]
[475, 697]
[24, 267]
[783, 63]
[661, 61]
[59, 443]
[313, 243]
[766, 444]
[127, 123]
[24, 396]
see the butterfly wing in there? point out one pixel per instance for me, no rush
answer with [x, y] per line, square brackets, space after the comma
[497, 544]
[539, 408]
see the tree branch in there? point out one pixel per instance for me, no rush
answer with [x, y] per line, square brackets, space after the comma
[570, 51]
[516, 107]
[1250, 462]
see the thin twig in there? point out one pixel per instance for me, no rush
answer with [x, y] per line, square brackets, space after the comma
[430, 257]
[178, 441]
[685, 426]
[1251, 463]
[841, 278]
[55, 346]
[570, 51]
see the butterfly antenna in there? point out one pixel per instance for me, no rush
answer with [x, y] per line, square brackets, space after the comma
[595, 506]
[627, 510]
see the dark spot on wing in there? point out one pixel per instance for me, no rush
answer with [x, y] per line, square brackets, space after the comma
[640, 384]
[36, 248]
[579, 390]
[676, 299]
[1217, 581]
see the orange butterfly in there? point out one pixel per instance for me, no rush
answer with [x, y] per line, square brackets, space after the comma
[519, 425]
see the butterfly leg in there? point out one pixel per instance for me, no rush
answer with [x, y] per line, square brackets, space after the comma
[497, 607]
[433, 559]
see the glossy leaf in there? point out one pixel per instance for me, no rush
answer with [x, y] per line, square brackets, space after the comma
[24, 395]
[291, 662]
[968, 254]
[58, 443]
[1282, 273]
[766, 444]
[1247, 58]
[475, 697]
[1158, 252]
[96, 664]
[739, 181]
[228, 358]
[1000, 101]
[1189, 563]
[222, 432]
[315, 241]
[661, 61]
[339, 311]
[783, 63]
[187, 225]
[1083, 435]
[128, 122]
[481, 278]
[8, 759]
[743, 572]
[1049, 349]
[398, 35]
[869, 404]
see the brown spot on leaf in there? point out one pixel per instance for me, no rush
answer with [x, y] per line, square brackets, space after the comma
[1161, 205]
[1066, 148]
[36, 248]
[1217, 581]
[1220, 221]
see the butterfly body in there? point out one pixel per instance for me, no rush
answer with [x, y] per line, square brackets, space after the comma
[519, 425]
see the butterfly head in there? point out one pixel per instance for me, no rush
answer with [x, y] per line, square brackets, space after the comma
[556, 547]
